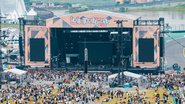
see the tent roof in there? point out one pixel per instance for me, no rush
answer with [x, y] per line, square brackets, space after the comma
[130, 74]
[112, 76]
[2, 14]
[32, 12]
[17, 71]
[13, 15]
[126, 73]
[8, 6]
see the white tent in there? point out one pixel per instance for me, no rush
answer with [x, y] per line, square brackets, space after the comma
[13, 16]
[133, 75]
[2, 14]
[32, 12]
[21, 74]
[17, 71]
[126, 73]
[8, 6]
[112, 76]
[20, 8]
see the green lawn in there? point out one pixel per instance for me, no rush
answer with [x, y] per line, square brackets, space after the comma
[10, 25]
[180, 8]
[149, 97]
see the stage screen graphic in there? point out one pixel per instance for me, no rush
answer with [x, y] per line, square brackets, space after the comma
[37, 49]
[98, 52]
[146, 50]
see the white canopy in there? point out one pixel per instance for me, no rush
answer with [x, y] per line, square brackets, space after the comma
[112, 76]
[32, 12]
[2, 14]
[17, 71]
[126, 73]
[133, 75]
[13, 16]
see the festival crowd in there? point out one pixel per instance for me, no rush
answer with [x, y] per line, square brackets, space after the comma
[43, 86]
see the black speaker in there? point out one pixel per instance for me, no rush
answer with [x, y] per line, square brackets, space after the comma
[20, 47]
[85, 66]
[161, 46]
[146, 52]
[37, 49]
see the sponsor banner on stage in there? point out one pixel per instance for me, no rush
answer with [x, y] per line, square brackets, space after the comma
[100, 19]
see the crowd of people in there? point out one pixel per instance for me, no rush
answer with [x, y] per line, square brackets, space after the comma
[54, 86]
[172, 82]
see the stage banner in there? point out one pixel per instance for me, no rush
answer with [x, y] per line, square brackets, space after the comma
[99, 19]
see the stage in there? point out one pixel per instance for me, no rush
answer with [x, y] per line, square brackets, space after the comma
[60, 41]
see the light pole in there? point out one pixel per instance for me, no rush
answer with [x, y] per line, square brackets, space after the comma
[120, 25]
[120, 37]
[123, 57]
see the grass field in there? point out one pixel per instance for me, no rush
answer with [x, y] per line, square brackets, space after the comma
[10, 25]
[149, 97]
[180, 8]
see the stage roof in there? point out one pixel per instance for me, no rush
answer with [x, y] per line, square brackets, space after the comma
[114, 14]
[91, 19]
